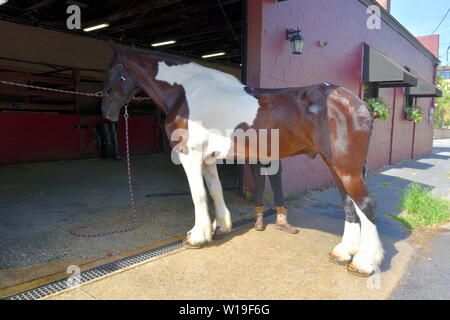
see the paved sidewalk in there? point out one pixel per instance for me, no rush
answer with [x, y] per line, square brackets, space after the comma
[428, 275]
[275, 265]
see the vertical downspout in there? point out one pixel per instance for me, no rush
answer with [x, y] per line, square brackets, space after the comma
[414, 134]
[413, 140]
[433, 105]
[392, 126]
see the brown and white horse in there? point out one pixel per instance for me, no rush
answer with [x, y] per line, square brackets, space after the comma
[207, 106]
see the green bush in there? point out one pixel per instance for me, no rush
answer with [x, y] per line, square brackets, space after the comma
[379, 108]
[421, 207]
[413, 113]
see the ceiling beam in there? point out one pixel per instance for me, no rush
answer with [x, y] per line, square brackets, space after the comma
[203, 40]
[164, 17]
[40, 4]
[189, 34]
[148, 6]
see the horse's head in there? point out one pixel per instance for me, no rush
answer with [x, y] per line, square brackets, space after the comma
[119, 86]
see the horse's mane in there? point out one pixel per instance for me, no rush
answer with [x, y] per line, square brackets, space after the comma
[165, 56]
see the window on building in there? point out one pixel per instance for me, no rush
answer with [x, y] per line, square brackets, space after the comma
[444, 74]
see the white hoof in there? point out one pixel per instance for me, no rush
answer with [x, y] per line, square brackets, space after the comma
[198, 236]
[223, 223]
[363, 264]
[343, 252]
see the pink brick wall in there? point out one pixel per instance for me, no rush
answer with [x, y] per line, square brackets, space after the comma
[343, 24]
[380, 141]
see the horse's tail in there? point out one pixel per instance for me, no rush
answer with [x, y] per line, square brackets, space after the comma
[365, 171]
[371, 115]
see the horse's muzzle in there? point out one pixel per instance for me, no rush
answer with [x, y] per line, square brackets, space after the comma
[108, 111]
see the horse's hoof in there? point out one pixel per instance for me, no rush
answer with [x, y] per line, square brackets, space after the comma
[337, 260]
[189, 245]
[219, 234]
[352, 269]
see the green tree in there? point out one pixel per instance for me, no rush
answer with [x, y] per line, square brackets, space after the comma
[442, 111]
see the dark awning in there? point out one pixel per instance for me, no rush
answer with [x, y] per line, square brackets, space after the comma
[424, 89]
[380, 69]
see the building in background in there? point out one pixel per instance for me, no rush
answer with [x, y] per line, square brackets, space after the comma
[444, 72]
[356, 58]
[431, 42]
[386, 4]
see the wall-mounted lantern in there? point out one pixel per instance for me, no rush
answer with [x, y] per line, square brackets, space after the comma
[296, 39]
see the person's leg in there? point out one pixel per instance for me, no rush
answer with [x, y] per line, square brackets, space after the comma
[277, 187]
[258, 195]
[260, 181]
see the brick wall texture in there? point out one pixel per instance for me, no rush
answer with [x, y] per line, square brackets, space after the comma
[343, 24]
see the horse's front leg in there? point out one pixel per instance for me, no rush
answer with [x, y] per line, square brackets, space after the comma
[222, 224]
[201, 232]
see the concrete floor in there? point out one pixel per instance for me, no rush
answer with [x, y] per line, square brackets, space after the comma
[41, 202]
[276, 265]
[255, 265]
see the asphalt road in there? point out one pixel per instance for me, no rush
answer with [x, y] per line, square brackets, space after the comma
[428, 275]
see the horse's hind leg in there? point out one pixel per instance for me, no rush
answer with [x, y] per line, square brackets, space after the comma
[342, 253]
[370, 252]
[222, 224]
[201, 232]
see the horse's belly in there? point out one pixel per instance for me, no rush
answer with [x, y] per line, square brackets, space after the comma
[208, 141]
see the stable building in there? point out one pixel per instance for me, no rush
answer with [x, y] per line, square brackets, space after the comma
[43, 197]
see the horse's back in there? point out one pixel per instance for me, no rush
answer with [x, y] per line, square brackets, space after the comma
[263, 91]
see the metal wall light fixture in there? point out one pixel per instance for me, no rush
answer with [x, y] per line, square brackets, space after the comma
[296, 39]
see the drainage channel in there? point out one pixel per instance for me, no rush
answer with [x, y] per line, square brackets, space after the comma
[103, 270]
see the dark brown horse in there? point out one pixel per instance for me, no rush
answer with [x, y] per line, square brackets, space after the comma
[205, 108]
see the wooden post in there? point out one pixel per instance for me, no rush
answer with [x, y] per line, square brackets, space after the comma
[76, 88]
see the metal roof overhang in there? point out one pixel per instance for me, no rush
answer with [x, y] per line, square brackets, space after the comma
[378, 68]
[424, 89]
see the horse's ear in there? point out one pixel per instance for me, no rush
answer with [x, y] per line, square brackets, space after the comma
[113, 46]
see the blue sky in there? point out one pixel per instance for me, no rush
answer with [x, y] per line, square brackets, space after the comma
[421, 17]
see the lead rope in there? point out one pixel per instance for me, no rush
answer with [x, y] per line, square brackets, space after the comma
[134, 214]
[99, 94]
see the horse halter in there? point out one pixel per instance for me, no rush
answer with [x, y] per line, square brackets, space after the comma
[120, 77]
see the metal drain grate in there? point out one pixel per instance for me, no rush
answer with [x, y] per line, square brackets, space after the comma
[101, 271]
[97, 272]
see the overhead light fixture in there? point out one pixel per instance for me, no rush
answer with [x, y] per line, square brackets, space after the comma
[213, 55]
[100, 26]
[2, 2]
[296, 39]
[165, 43]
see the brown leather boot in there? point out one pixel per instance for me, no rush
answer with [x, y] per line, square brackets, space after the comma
[282, 223]
[259, 213]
